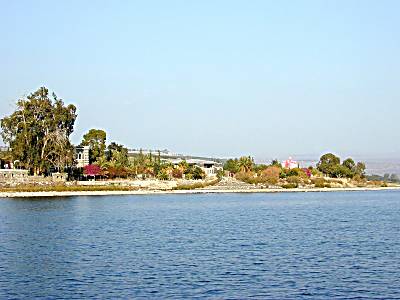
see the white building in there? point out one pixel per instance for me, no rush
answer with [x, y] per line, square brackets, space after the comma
[290, 164]
[82, 156]
[209, 167]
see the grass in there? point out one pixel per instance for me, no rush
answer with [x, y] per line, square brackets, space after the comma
[66, 188]
[197, 185]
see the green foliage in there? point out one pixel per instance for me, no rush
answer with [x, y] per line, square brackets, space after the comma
[360, 169]
[38, 132]
[290, 185]
[276, 163]
[243, 164]
[197, 173]
[259, 168]
[197, 185]
[117, 155]
[232, 165]
[320, 183]
[246, 164]
[329, 165]
[294, 179]
[96, 140]
[162, 175]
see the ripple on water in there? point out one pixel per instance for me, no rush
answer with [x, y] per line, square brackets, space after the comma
[239, 246]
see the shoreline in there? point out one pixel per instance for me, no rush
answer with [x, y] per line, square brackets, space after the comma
[182, 192]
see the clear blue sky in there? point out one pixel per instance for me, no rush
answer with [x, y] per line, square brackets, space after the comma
[266, 78]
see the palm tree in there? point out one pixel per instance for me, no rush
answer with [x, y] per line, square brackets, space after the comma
[246, 164]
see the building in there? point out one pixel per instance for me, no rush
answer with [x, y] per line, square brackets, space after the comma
[82, 156]
[290, 164]
[209, 167]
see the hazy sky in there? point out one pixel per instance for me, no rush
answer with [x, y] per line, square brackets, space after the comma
[266, 78]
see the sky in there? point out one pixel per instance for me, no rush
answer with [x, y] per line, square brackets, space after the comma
[219, 78]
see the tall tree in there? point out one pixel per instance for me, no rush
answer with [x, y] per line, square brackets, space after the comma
[96, 140]
[246, 163]
[117, 155]
[328, 163]
[38, 132]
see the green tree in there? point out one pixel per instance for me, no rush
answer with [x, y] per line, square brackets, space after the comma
[246, 164]
[360, 169]
[96, 140]
[117, 154]
[350, 165]
[328, 163]
[275, 162]
[340, 171]
[38, 132]
[232, 165]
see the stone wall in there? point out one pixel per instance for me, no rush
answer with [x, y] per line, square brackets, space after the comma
[15, 177]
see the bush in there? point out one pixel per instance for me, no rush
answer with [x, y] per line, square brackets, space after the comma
[177, 173]
[289, 185]
[248, 177]
[320, 183]
[293, 179]
[162, 175]
[197, 185]
[270, 175]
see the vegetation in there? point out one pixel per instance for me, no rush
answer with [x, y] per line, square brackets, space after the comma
[389, 178]
[67, 188]
[96, 140]
[329, 165]
[197, 185]
[38, 132]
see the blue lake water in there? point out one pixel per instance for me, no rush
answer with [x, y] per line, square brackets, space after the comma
[225, 246]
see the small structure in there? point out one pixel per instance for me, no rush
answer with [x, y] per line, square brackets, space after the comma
[209, 167]
[82, 156]
[290, 164]
[13, 175]
[59, 177]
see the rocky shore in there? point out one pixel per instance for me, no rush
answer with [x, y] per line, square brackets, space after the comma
[209, 190]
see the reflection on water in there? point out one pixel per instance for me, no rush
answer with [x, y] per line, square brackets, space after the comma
[300, 245]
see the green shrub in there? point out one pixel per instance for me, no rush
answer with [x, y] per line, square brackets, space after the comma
[289, 185]
[293, 179]
[197, 185]
[320, 183]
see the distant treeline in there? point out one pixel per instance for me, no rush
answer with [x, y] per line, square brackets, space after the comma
[393, 178]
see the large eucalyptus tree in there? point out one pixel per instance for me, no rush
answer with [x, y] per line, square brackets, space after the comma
[38, 132]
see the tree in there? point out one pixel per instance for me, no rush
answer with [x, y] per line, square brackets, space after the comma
[275, 162]
[198, 173]
[96, 140]
[327, 163]
[38, 132]
[340, 171]
[246, 164]
[231, 165]
[91, 170]
[360, 169]
[117, 155]
[350, 165]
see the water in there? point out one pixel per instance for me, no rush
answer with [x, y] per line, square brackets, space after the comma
[230, 246]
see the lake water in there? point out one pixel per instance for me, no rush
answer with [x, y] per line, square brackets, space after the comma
[225, 246]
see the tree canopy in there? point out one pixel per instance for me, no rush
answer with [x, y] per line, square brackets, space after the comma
[38, 132]
[96, 140]
[329, 164]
